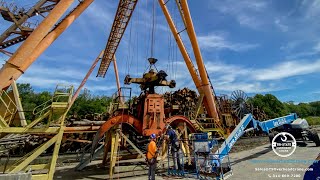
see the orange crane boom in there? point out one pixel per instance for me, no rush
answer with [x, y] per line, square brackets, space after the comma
[39, 41]
[202, 82]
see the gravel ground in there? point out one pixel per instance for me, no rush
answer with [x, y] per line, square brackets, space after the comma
[245, 150]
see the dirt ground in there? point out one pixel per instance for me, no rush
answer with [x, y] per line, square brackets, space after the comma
[247, 155]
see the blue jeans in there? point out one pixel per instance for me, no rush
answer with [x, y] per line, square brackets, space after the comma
[152, 171]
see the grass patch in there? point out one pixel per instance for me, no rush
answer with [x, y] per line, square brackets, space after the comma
[313, 120]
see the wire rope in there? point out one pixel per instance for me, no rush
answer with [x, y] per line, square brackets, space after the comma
[153, 28]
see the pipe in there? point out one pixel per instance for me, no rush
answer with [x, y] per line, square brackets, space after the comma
[197, 53]
[117, 79]
[76, 94]
[181, 46]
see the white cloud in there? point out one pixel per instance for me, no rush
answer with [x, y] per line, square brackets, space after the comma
[289, 46]
[245, 11]
[280, 25]
[317, 47]
[49, 83]
[249, 21]
[230, 77]
[101, 14]
[287, 69]
[313, 8]
[219, 42]
[248, 87]
[55, 72]
[294, 50]
[44, 82]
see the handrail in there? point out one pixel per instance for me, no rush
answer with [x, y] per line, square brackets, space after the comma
[8, 105]
[55, 98]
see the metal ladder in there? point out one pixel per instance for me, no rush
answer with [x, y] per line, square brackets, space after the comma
[122, 18]
[59, 102]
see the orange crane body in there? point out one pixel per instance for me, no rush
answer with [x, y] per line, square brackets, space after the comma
[41, 39]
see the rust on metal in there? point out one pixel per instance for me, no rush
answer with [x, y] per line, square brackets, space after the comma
[121, 20]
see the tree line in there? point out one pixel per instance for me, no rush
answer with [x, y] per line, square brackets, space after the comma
[275, 108]
[87, 103]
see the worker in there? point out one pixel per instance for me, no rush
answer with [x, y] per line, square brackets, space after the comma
[174, 147]
[152, 157]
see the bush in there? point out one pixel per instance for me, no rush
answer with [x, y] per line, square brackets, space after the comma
[313, 120]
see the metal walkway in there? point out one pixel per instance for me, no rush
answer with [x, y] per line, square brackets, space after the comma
[121, 20]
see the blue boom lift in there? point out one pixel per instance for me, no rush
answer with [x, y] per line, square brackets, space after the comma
[209, 164]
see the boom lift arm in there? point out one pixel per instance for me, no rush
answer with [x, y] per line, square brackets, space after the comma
[251, 124]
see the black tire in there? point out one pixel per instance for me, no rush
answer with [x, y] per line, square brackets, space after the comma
[314, 137]
[271, 136]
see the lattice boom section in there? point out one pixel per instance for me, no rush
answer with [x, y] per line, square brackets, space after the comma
[121, 20]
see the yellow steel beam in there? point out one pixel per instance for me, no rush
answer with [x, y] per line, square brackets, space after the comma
[33, 156]
[115, 67]
[114, 151]
[134, 147]
[36, 121]
[22, 130]
[37, 167]
[3, 123]
[55, 152]
[23, 121]
[186, 143]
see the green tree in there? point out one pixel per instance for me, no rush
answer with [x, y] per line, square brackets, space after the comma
[269, 104]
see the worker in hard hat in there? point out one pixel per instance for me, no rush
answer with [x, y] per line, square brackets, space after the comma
[174, 147]
[152, 157]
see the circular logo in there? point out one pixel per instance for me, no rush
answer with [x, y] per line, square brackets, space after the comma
[284, 144]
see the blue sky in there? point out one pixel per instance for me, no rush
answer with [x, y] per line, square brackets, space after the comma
[254, 45]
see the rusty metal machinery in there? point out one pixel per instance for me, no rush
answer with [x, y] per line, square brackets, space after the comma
[151, 79]
[120, 23]
[149, 115]
[239, 105]
[21, 28]
[46, 33]
[146, 116]
[41, 37]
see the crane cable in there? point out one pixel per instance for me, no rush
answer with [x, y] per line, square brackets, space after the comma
[153, 28]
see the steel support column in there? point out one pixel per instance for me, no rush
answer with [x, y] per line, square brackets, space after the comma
[114, 150]
[115, 67]
[23, 121]
[212, 111]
